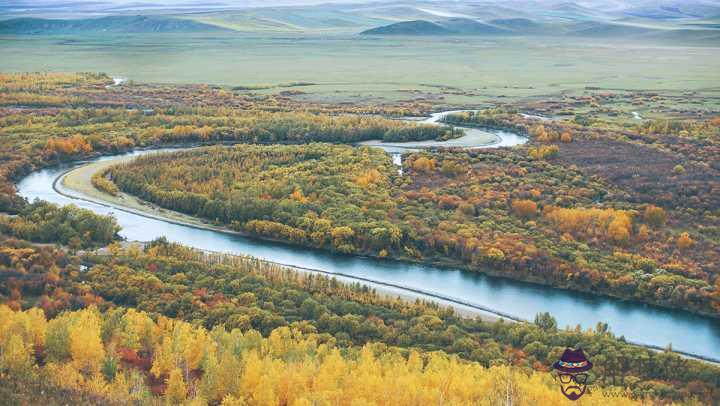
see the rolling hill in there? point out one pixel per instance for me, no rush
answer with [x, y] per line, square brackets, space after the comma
[114, 24]
[599, 29]
[417, 27]
[612, 30]
[450, 26]
[291, 19]
[527, 27]
[467, 26]
[674, 11]
[642, 19]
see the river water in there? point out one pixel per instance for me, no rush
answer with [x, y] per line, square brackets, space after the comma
[637, 322]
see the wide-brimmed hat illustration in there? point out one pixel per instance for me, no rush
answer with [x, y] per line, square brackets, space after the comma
[573, 361]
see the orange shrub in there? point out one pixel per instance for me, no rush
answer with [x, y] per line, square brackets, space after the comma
[525, 209]
[423, 164]
[654, 216]
[684, 241]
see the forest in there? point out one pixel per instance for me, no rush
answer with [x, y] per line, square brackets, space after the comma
[94, 356]
[251, 297]
[86, 318]
[85, 118]
[497, 211]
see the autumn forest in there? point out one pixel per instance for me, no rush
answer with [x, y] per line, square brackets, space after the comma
[589, 204]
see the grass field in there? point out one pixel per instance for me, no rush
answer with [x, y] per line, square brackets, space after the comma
[454, 70]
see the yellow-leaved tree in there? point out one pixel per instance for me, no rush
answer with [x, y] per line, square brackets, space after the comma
[15, 356]
[287, 368]
[86, 346]
[176, 391]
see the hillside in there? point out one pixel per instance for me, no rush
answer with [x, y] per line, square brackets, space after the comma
[612, 30]
[418, 27]
[102, 358]
[450, 26]
[290, 19]
[115, 24]
[521, 25]
[678, 10]
[596, 29]
[468, 26]
[527, 27]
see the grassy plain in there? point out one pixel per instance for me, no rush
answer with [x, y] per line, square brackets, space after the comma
[445, 70]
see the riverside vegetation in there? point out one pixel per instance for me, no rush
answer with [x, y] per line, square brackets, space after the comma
[109, 326]
[508, 212]
[111, 352]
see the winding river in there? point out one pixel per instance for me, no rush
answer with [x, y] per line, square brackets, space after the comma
[637, 322]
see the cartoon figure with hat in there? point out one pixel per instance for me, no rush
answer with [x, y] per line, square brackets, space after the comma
[571, 373]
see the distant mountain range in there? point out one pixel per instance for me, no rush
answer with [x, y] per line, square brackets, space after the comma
[526, 27]
[656, 9]
[693, 20]
[113, 24]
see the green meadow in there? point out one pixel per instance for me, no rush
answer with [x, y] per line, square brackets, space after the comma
[453, 70]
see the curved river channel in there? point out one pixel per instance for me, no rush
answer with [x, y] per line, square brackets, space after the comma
[639, 323]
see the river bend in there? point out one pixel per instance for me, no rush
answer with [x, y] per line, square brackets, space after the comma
[637, 322]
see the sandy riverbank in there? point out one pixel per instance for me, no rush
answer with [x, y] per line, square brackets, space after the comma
[79, 183]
